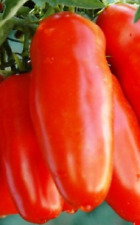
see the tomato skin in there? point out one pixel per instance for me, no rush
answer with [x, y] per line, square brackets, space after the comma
[124, 194]
[123, 48]
[71, 106]
[70, 209]
[7, 206]
[32, 188]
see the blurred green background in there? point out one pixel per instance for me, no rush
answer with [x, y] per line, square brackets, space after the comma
[103, 215]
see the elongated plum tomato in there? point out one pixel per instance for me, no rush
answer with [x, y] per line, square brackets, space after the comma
[123, 48]
[124, 193]
[71, 106]
[7, 206]
[30, 183]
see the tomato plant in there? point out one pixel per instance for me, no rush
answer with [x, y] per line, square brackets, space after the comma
[68, 134]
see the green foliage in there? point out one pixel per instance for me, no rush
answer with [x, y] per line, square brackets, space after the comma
[137, 15]
[5, 29]
[86, 4]
[11, 8]
[40, 3]
[6, 24]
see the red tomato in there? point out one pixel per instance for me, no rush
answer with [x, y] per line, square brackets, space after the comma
[71, 106]
[124, 193]
[7, 206]
[33, 190]
[123, 48]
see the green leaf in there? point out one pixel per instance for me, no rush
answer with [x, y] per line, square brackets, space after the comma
[11, 8]
[52, 3]
[137, 15]
[86, 4]
[40, 3]
[6, 24]
[23, 11]
[49, 12]
[5, 73]
[5, 29]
